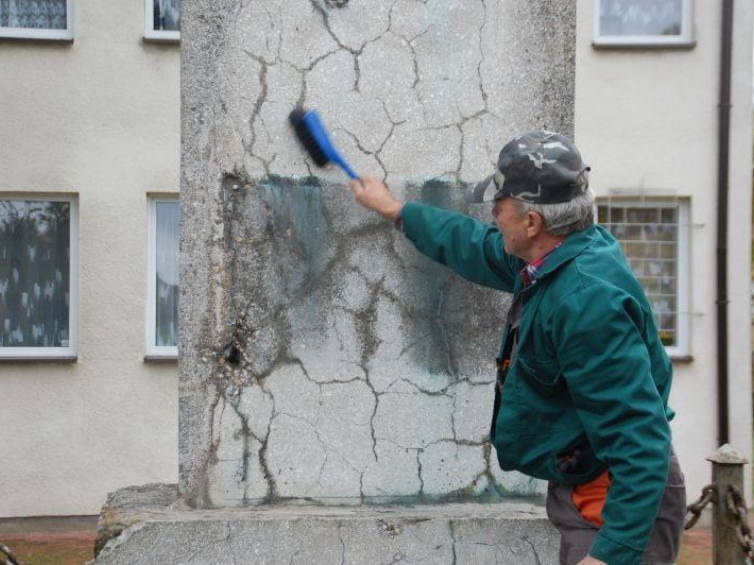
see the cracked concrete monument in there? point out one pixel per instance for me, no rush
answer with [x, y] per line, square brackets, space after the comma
[335, 386]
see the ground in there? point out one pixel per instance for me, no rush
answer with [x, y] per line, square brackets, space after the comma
[75, 548]
[51, 548]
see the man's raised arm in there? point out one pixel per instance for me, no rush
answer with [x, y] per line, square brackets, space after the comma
[466, 245]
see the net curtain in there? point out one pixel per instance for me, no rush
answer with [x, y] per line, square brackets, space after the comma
[39, 14]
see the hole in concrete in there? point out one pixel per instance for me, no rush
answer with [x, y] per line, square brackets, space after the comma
[232, 354]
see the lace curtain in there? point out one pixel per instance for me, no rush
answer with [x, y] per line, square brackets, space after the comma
[167, 15]
[35, 273]
[166, 323]
[34, 14]
[641, 17]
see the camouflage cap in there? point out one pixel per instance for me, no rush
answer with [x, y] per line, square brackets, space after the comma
[539, 167]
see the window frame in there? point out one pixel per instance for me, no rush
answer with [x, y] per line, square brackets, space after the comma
[684, 40]
[153, 351]
[682, 348]
[43, 33]
[168, 36]
[61, 353]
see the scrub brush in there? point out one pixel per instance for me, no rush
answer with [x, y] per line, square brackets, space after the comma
[313, 136]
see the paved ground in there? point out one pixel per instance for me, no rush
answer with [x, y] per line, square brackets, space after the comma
[697, 548]
[51, 548]
[75, 548]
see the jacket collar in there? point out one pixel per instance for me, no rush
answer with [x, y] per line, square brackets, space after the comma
[570, 248]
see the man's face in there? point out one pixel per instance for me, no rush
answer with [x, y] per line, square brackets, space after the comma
[514, 226]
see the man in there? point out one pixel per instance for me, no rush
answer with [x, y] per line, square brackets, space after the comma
[583, 379]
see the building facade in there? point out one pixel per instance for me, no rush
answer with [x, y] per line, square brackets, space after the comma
[89, 151]
[89, 175]
[647, 122]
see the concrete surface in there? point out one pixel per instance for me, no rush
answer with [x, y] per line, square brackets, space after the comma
[76, 547]
[514, 532]
[322, 358]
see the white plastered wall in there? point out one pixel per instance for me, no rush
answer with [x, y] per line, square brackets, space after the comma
[646, 120]
[98, 118]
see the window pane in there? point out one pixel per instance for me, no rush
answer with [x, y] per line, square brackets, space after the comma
[641, 17]
[34, 14]
[166, 258]
[649, 237]
[167, 15]
[602, 214]
[34, 273]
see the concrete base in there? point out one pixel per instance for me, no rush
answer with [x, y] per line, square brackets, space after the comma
[514, 532]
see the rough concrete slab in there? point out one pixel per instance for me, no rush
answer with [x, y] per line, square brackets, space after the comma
[122, 507]
[514, 532]
[321, 358]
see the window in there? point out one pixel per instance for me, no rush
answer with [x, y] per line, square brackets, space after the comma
[163, 20]
[658, 23]
[162, 317]
[37, 19]
[38, 277]
[654, 237]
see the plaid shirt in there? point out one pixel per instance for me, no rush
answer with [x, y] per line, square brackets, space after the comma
[530, 273]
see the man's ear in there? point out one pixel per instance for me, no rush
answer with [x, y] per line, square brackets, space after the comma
[534, 224]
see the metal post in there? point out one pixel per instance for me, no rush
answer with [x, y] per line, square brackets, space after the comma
[727, 469]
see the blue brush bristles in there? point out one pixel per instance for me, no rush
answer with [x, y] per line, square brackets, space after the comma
[312, 134]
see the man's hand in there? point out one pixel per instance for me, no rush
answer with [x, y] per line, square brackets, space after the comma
[374, 194]
[589, 560]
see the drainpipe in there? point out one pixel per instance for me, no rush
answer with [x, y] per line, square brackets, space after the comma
[722, 222]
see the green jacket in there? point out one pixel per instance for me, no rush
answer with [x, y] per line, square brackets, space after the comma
[590, 371]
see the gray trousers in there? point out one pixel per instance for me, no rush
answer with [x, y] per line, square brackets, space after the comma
[577, 535]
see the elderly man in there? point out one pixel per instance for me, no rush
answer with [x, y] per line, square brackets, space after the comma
[583, 379]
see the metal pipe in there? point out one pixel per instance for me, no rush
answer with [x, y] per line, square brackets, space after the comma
[722, 221]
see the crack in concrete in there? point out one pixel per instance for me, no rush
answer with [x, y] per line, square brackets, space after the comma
[393, 124]
[410, 43]
[211, 544]
[533, 549]
[261, 99]
[197, 495]
[342, 545]
[374, 414]
[451, 526]
[326, 22]
[481, 55]
[438, 319]
[268, 476]
[419, 471]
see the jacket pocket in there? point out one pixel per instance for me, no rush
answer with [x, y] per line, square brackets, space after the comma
[543, 377]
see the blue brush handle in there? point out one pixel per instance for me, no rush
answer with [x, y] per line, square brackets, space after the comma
[343, 164]
[319, 133]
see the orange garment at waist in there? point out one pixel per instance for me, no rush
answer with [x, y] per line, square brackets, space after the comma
[589, 498]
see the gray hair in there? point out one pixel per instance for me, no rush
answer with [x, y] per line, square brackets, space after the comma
[566, 217]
